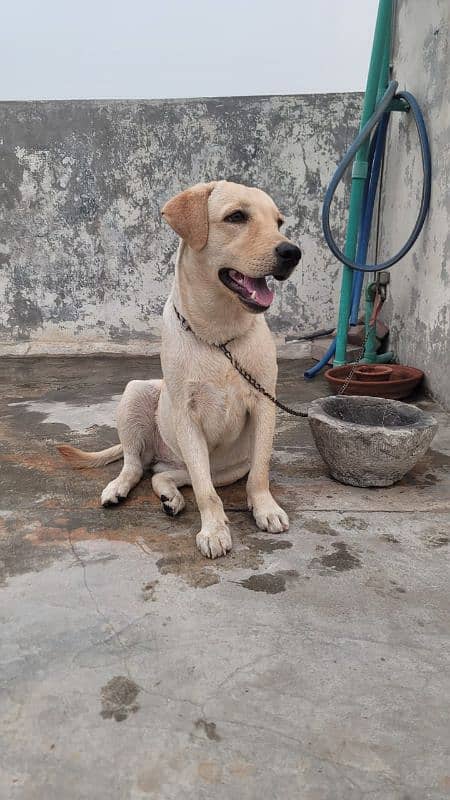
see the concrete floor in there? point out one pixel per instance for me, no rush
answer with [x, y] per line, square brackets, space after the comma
[311, 665]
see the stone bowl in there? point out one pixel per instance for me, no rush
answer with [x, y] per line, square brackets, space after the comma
[369, 441]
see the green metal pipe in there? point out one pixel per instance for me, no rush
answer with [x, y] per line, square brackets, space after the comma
[378, 61]
[370, 351]
[385, 64]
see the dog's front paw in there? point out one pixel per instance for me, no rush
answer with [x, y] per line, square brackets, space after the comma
[114, 492]
[269, 516]
[214, 542]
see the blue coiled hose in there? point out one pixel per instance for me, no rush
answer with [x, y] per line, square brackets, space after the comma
[370, 193]
[348, 158]
[380, 117]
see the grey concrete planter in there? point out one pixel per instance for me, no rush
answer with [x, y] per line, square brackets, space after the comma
[369, 441]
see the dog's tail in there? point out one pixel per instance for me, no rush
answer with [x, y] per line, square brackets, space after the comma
[79, 459]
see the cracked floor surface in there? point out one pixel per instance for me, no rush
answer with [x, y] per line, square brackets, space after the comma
[312, 665]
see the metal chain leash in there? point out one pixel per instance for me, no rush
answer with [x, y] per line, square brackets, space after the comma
[252, 381]
[344, 386]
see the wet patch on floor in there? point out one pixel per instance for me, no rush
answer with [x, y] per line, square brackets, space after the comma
[33, 540]
[118, 698]
[210, 772]
[19, 482]
[388, 589]
[436, 538]
[269, 582]
[341, 560]
[28, 426]
[149, 590]
[78, 417]
[248, 553]
[186, 566]
[38, 474]
[389, 537]
[320, 527]
[50, 509]
[18, 554]
[84, 378]
[208, 729]
[431, 469]
[353, 523]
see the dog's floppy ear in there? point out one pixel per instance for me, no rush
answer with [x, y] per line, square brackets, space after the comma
[187, 214]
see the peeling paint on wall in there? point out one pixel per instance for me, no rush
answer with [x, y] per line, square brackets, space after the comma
[85, 260]
[420, 286]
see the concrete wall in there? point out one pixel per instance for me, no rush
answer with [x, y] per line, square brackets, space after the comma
[85, 260]
[419, 307]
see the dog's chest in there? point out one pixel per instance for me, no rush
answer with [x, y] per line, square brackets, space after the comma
[221, 404]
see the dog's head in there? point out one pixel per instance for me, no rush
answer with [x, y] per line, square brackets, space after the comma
[235, 233]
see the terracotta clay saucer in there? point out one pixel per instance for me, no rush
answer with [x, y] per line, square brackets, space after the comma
[402, 381]
[373, 372]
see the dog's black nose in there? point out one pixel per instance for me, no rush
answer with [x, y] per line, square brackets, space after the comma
[286, 251]
[288, 256]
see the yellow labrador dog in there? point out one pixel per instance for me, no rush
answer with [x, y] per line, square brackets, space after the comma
[203, 424]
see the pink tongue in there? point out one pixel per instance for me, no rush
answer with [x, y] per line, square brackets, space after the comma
[264, 295]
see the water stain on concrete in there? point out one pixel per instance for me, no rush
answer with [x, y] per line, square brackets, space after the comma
[389, 590]
[52, 509]
[269, 582]
[148, 590]
[19, 555]
[209, 771]
[320, 527]
[395, 590]
[208, 728]
[352, 523]
[389, 537]
[190, 565]
[35, 538]
[149, 781]
[429, 471]
[242, 769]
[265, 545]
[437, 540]
[341, 560]
[179, 564]
[118, 698]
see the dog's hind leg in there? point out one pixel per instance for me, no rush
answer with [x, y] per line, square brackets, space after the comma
[137, 428]
[165, 486]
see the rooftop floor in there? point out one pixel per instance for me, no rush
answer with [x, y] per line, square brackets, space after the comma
[314, 664]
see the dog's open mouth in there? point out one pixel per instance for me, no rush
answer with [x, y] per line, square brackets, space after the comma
[253, 292]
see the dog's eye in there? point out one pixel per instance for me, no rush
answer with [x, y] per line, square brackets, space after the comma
[236, 217]
[280, 222]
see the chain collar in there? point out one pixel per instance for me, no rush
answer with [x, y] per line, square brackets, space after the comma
[185, 325]
[239, 368]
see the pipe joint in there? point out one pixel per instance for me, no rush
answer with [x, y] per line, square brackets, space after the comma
[360, 170]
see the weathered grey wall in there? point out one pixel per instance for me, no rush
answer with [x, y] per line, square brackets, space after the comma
[85, 260]
[420, 284]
